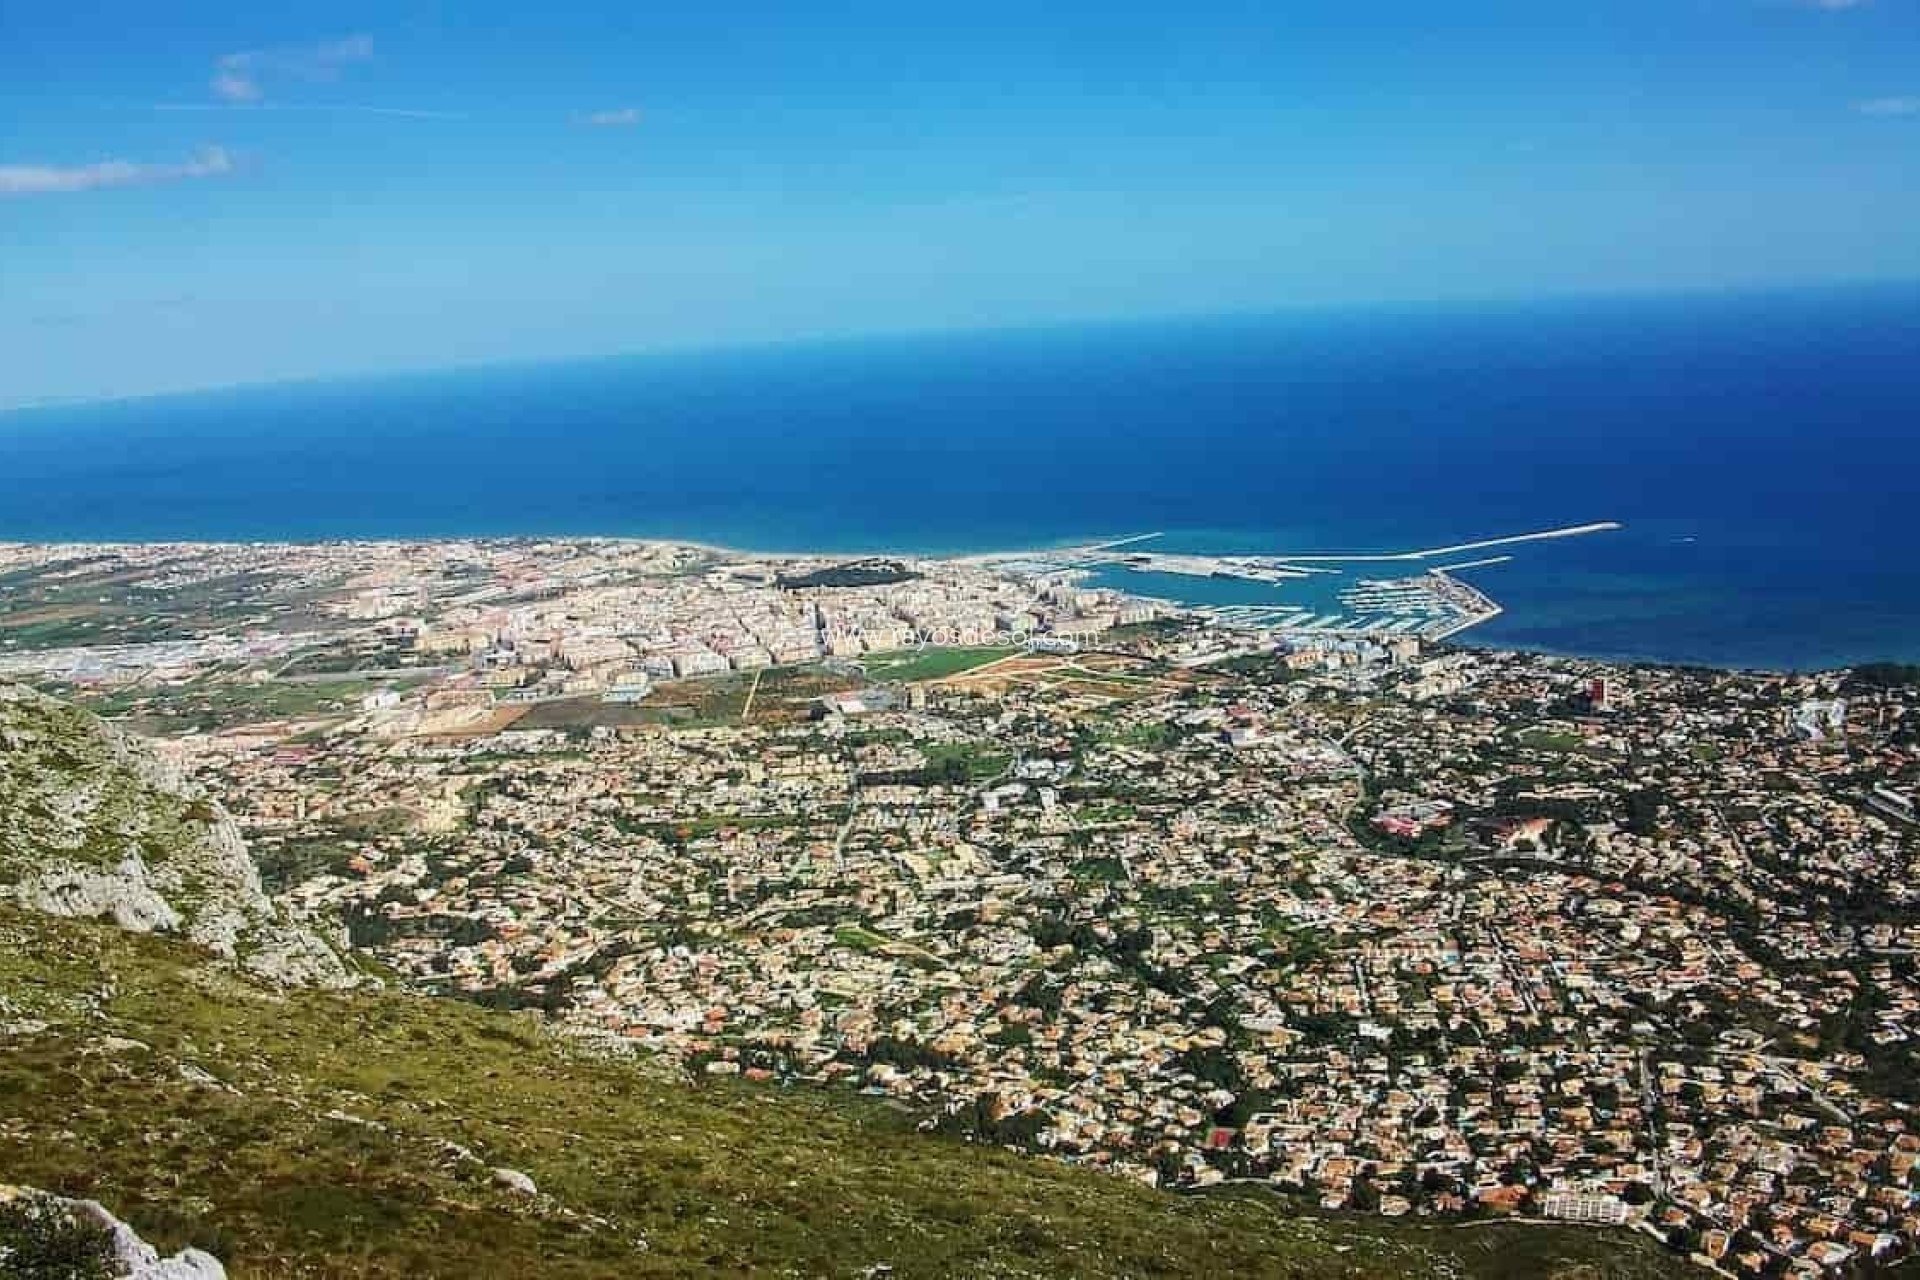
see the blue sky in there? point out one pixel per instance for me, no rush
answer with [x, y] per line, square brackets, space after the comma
[196, 195]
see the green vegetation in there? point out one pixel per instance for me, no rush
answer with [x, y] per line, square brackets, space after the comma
[590, 712]
[209, 705]
[1153, 629]
[296, 860]
[976, 761]
[1258, 668]
[323, 848]
[1098, 671]
[931, 664]
[1099, 868]
[854, 573]
[795, 688]
[1886, 675]
[353, 1135]
[1147, 735]
[110, 605]
[1295, 945]
[52, 748]
[856, 938]
[41, 1240]
[1550, 740]
[703, 703]
[688, 828]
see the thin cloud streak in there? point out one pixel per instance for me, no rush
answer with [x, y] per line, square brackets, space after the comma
[38, 179]
[241, 77]
[1897, 106]
[624, 117]
[320, 108]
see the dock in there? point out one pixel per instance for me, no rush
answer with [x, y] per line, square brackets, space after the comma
[1431, 604]
[1460, 548]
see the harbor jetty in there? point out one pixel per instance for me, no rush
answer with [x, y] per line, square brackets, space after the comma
[1431, 604]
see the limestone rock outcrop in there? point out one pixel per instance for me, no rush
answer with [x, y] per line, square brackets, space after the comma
[134, 1258]
[93, 824]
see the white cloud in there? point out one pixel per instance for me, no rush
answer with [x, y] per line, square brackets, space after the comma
[39, 179]
[243, 76]
[1909, 106]
[236, 86]
[622, 118]
[318, 108]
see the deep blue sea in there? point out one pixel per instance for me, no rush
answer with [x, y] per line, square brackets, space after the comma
[1762, 450]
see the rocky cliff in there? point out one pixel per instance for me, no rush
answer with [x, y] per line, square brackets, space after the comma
[94, 825]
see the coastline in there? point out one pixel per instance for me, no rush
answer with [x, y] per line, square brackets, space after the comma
[1032, 561]
[1767, 517]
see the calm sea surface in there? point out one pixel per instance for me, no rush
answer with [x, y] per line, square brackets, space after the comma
[1763, 451]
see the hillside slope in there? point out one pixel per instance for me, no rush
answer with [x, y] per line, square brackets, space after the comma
[94, 825]
[312, 1133]
[168, 1070]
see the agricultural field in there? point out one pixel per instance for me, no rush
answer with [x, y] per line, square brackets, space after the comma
[913, 665]
[775, 695]
[215, 703]
[1083, 682]
[67, 604]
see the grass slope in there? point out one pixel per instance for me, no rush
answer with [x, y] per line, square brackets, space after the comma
[315, 1134]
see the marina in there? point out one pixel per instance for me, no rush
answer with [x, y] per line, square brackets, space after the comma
[1431, 604]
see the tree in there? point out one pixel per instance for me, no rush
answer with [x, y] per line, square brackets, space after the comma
[1223, 1012]
[1011, 1036]
[44, 1239]
[1215, 1066]
[1683, 1239]
[1886, 675]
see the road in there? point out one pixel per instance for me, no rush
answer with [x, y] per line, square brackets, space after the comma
[1649, 1099]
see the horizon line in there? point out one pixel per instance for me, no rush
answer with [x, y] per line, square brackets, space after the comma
[833, 338]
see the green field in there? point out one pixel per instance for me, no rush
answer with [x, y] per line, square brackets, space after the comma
[856, 938]
[39, 611]
[1550, 740]
[966, 761]
[931, 664]
[224, 703]
[1559, 742]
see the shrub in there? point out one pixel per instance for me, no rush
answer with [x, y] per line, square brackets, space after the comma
[43, 1239]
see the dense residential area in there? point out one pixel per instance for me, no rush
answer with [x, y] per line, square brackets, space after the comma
[1384, 927]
